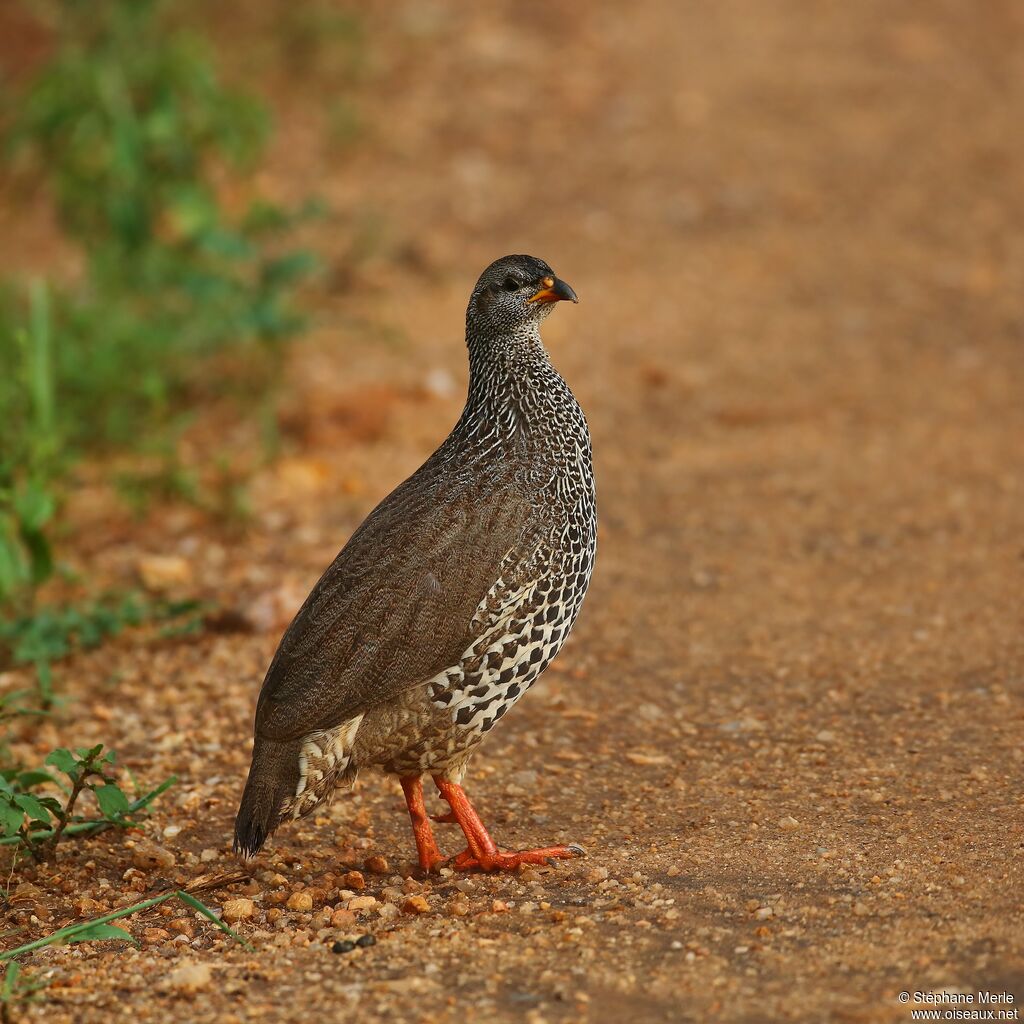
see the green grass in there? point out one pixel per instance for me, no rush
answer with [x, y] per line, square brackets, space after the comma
[49, 633]
[100, 929]
[146, 156]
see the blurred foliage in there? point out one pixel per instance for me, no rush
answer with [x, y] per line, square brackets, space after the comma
[29, 451]
[17, 990]
[145, 155]
[50, 633]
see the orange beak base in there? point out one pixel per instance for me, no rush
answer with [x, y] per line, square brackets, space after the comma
[554, 290]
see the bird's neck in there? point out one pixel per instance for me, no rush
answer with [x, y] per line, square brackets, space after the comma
[507, 371]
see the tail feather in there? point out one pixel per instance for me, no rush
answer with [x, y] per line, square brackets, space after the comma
[273, 779]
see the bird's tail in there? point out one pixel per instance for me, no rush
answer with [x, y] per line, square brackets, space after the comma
[273, 778]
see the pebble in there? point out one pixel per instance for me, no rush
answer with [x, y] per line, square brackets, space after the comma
[649, 712]
[343, 946]
[361, 903]
[209, 855]
[342, 918]
[238, 910]
[147, 856]
[86, 907]
[366, 941]
[526, 777]
[190, 977]
[352, 880]
[161, 572]
[788, 824]
[300, 901]
[376, 865]
[416, 905]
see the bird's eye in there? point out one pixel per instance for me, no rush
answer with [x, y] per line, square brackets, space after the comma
[510, 284]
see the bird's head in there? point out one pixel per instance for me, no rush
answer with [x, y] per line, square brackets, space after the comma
[514, 292]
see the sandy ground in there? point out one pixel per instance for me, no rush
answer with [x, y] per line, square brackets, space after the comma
[788, 726]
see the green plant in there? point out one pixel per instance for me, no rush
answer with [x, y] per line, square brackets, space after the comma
[101, 929]
[32, 817]
[29, 454]
[47, 634]
[136, 138]
[145, 155]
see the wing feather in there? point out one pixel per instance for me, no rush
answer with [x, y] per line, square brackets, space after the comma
[396, 606]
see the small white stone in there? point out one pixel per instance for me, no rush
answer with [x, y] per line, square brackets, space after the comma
[190, 977]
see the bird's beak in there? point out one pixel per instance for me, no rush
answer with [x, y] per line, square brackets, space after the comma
[552, 289]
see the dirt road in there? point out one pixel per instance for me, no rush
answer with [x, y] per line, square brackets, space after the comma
[788, 727]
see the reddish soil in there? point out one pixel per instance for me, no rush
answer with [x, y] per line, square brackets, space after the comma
[788, 726]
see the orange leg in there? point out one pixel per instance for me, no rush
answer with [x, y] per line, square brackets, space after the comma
[426, 847]
[481, 851]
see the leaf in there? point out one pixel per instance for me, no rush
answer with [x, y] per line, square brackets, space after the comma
[102, 933]
[33, 808]
[40, 554]
[63, 760]
[53, 805]
[11, 817]
[35, 777]
[34, 507]
[113, 803]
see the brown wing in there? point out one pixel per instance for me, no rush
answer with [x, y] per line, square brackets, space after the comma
[396, 605]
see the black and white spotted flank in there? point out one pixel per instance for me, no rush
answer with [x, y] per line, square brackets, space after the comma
[456, 591]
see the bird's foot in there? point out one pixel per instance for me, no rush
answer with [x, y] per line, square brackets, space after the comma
[481, 853]
[510, 860]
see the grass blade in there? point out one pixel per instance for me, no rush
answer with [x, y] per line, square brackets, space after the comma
[10, 981]
[69, 934]
[208, 913]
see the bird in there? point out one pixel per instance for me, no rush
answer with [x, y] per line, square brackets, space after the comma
[448, 601]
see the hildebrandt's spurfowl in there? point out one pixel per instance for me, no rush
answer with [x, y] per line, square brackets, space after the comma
[450, 599]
